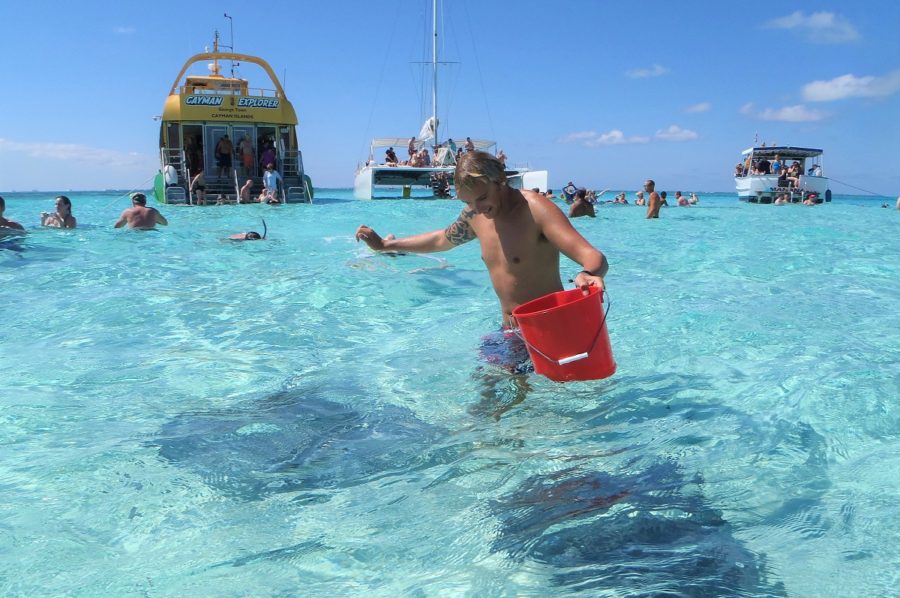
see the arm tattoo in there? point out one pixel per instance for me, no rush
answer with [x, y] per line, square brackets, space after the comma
[461, 230]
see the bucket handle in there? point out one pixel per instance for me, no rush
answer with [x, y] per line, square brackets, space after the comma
[578, 356]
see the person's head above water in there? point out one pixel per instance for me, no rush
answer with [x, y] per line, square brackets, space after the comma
[139, 198]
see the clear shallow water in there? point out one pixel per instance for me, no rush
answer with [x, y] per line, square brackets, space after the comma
[183, 415]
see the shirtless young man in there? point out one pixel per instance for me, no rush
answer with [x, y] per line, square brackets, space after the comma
[521, 233]
[62, 217]
[9, 225]
[654, 202]
[139, 215]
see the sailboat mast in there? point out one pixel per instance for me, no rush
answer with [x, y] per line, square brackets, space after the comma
[434, 64]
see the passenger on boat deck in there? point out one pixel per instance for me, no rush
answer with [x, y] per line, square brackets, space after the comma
[739, 170]
[245, 191]
[7, 223]
[62, 217]
[470, 145]
[451, 145]
[521, 233]
[502, 157]
[224, 150]
[270, 183]
[762, 166]
[198, 186]
[139, 216]
[411, 148]
[267, 157]
[390, 158]
[245, 148]
[654, 203]
[426, 157]
[776, 165]
[581, 206]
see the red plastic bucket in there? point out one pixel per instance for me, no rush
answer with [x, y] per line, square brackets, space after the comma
[566, 335]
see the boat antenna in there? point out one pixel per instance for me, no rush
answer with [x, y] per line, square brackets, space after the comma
[231, 47]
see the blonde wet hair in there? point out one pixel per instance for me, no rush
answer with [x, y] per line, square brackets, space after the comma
[473, 167]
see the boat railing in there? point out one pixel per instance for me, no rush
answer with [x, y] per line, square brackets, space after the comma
[253, 91]
[291, 163]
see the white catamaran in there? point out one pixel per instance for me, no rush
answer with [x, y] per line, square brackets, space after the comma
[382, 171]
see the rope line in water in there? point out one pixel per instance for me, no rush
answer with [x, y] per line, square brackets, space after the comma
[857, 188]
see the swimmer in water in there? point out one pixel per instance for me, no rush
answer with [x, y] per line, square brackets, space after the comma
[251, 235]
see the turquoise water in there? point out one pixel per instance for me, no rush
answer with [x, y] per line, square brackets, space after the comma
[183, 415]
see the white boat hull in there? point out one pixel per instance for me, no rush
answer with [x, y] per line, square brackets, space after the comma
[763, 188]
[370, 178]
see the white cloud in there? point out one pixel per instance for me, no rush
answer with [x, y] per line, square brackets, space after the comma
[818, 27]
[123, 30]
[794, 114]
[654, 71]
[701, 107]
[594, 139]
[676, 133]
[849, 86]
[747, 109]
[72, 152]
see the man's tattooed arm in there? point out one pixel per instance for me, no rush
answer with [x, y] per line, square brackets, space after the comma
[461, 230]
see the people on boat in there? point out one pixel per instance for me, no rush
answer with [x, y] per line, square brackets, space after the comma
[245, 149]
[654, 201]
[581, 206]
[451, 145]
[762, 166]
[739, 170]
[270, 182]
[521, 234]
[62, 217]
[776, 165]
[245, 191]
[502, 157]
[198, 187]
[470, 145]
[139, 216]
[224, 150]
[6, 223]
[267, 156]
[390, 157]
[411, 147]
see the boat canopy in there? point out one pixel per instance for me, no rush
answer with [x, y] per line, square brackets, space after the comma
[785, 151]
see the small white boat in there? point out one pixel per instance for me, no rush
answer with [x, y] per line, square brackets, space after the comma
[437, 176]
[758, 182]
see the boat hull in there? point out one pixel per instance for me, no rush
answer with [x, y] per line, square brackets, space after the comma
[370, 178]
[763, 188]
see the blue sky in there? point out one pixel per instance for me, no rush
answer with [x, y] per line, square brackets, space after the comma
[602, 93]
